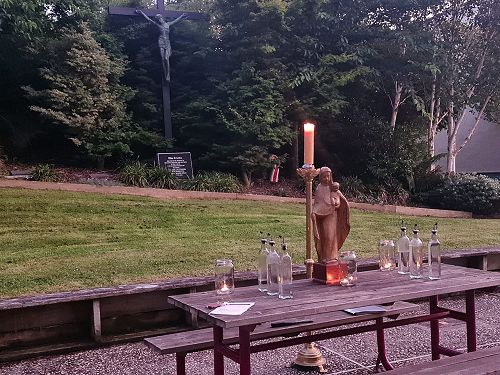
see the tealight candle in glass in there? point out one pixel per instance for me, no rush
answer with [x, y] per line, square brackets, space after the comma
[224, 277]
[387, 255]
[350, 267]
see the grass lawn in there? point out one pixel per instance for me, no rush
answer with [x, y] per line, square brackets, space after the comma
[52, 241]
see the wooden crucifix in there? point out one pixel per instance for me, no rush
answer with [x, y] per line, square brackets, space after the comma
[161, 16]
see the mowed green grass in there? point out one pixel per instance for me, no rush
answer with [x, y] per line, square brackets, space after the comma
[52, 241]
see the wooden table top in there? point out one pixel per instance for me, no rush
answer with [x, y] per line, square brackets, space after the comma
[309, 298]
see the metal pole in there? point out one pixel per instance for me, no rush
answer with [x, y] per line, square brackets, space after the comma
[309, 261]
[308, 174]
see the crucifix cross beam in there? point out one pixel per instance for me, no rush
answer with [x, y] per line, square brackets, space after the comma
[160, 9]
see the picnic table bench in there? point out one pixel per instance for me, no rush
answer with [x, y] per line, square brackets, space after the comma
[311, 299]
[480, 362]
[186, 342]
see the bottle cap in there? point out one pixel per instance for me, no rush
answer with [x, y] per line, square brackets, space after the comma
[284, 245]
[403, 226]
[263, 240]
[435, 229]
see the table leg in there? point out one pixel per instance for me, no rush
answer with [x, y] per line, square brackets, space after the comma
[244, 350]
[382, 355]
[433, 308]
[218, 357]
[180, 360]
[470, 312]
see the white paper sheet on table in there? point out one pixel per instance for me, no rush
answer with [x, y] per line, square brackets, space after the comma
[232, 308]
[373, 309]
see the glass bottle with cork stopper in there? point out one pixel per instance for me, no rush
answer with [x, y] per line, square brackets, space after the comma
[434, 254]
[403, 246]
[285, 277]
[273, 269]
[262, 264]
[416, 255]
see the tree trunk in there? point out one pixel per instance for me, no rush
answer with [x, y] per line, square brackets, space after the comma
[395, 104]
[430, 125]
[246, 177]
[476, 123]
[100, 163]
[294, 158]
[452, 141]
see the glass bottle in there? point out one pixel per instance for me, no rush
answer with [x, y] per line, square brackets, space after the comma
[403, 246]
[285, 277]
[262, 265]
[434, 255]
[416, 255]
[273, 270]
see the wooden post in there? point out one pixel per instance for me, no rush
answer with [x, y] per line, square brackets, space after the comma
[96, 320]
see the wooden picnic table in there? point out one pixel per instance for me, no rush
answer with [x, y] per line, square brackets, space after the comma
[310, 298]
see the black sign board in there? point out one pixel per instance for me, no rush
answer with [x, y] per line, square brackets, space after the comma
[178, 162]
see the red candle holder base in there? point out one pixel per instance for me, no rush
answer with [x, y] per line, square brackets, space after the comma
[329, 273]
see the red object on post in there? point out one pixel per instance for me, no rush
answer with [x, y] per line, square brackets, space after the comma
[276, 169]
[275, 174]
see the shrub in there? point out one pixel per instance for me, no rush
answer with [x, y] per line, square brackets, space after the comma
[215, 181]
[465, 192]
[135, 174]
[44, 172]
[429, 181]
[353, 188]
[161, 178]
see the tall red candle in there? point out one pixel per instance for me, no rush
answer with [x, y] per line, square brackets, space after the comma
[309, 143]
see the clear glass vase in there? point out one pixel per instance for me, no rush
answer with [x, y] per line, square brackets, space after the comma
[224, 277]
[349, 264]
[386, 255]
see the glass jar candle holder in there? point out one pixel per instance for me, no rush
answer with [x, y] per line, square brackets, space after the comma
[224, 277]
[350, 268]
[387, 255]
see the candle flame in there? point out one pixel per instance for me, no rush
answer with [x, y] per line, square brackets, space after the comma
[309, 127]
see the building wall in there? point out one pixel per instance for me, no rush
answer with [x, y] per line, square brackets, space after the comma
[481, 154]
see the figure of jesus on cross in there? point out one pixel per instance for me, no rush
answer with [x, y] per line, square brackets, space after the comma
[164, 39]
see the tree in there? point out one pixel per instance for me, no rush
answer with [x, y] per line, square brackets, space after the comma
[238, 120]
[25, 28]
[467, 43]
[83, 95]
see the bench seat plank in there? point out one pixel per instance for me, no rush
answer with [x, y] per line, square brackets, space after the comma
[484, 361]
[202, 339]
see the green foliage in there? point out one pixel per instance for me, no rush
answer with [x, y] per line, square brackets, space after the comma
[161, 178]
[465, 192]
[354, 188]
[44, 172]
[83, 95]
[215, 181]
[135, 174]
[146, 175]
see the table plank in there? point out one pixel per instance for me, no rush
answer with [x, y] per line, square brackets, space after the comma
[374, 287]
[483, 361]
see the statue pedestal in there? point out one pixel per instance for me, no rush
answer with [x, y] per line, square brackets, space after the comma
[329, 273]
